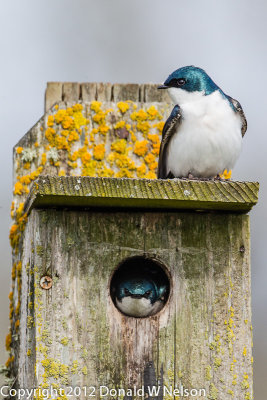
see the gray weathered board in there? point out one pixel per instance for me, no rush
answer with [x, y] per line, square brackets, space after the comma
[73, 335]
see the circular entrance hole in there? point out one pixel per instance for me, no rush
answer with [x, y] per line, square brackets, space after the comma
[140, 286]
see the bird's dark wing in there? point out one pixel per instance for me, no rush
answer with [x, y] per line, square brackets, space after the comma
[168, 130]
[239, 110]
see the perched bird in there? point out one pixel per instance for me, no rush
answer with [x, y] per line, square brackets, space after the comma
[140, 296]
[202, 136]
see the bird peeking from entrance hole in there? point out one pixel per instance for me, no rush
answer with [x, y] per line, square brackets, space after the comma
[202, 136]
[140, 296]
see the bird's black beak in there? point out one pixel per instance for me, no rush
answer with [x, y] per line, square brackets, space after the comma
[163, 87]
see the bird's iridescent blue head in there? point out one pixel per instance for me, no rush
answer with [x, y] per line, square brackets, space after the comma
[136, 287]
[191, 79]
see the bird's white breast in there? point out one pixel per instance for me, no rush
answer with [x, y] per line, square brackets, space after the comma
[208, 139]
[138, 307]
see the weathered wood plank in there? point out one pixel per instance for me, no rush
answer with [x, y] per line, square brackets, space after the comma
[152, 93]
[103, 91]
[134, 193]
[71, 92]
[127, 91]
[53, 94]
[88, 91]
[202, 337]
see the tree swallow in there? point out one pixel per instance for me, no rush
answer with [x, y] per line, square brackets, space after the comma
[202, 136]
[140, 296]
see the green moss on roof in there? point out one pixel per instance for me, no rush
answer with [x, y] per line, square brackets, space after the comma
[52, 191]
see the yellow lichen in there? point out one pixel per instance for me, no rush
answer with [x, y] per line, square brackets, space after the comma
[8, 341]
[9, 361]
[141, 147]
[96, 106]
[19, 150]
[74, 146]
[99, 152]
[119, 146]
[64, 341]
[123, 106]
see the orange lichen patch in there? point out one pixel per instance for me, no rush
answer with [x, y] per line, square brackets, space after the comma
[141, 147]
[92, 134]
[124, 173]
[17, 323]
[123, 106]
[27, 165]
[25, 179]
[73, 136]
[19, 189]
[143, 126]
[155, 148]
[16, 230]
[77, 108]
[120, 124]
[103, 129]
[14, 271]
[152, 166]
[100, 117]
[8, 341]
[140, 115]
[99, 152]
[19, 210]
[153, 138]
[90, 168]
[96, 106]
[150, 175]
[153, 113]
[73, 165]
[9, 361]
[61, 143]
[74, 155]
[50, 120]
[150, 158]
[19, 150]
[43, 159]
[50, 135]
[141, 170]
[86, 157]
[59, 116]
[17, 310]
[76, 149]
[159, 126]
[119, 146]
[67, 122]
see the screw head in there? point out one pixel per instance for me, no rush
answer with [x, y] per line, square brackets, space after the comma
[46, 282]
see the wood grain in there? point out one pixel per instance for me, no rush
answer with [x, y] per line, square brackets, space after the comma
[78, 337]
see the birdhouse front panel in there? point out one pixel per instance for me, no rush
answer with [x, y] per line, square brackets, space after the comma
[128, 300]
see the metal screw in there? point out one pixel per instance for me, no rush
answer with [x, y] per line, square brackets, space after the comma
[46, 282]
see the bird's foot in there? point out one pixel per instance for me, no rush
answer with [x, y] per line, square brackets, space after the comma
[195, 178]
[219, 178]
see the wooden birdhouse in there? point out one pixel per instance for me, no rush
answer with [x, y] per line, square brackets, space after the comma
[77, 237]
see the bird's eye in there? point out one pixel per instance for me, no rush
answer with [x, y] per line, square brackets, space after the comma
[181, 81]
[126, 291]
[177, 82]
[148, 292]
